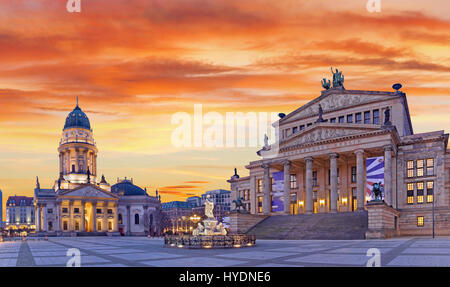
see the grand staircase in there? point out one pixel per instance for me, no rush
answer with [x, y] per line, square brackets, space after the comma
[341, 225]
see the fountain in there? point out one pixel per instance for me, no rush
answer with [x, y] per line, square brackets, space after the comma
[210, 234]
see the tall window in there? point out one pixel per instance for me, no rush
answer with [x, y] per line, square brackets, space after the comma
[293, 180]
[358, 118]
[353, 174]
[430, 191]
[367, 117]
[109, 225]
[430, 166]
[410, 168]
[65, 225]
[410, 193]
[77, 225]
[376, 117]
[136, 218]
[260, 183]
[420, 192]
[420, 164]
[314, 178]
[73, 168]
[99, 225]
[349, 118]
[260, 200]
[120, 218]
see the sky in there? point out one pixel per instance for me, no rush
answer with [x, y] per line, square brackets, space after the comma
[135, 63]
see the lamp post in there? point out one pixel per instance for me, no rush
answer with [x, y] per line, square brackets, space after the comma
[432, 214]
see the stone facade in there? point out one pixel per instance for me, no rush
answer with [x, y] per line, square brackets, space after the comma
[324, 163]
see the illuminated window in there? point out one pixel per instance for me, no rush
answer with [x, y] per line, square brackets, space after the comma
[430, 166]
[410, 193]
[420, 222]
[110, 225]
[430, 191]
[293, 180]
[410, 168]
[77, 225]
[99, 225]
[65, 225]
[420, 192]
[260, 185]
[260, 200]
[420, 164]
[120, 218]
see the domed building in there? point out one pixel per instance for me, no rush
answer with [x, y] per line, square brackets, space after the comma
[81, 204]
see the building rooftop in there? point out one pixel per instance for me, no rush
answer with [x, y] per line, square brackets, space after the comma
[77, 119]
[19, 201]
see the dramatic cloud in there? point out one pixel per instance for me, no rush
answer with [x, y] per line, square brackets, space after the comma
[134, 63]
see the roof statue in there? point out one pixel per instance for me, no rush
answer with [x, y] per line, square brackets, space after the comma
[326, 84]
[338, 79]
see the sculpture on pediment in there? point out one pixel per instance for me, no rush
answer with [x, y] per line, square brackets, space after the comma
[320, 119]
[387, 117]
[326, 84]
[338, 79]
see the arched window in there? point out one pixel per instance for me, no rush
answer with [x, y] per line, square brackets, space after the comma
[136, 218]
[120, 218]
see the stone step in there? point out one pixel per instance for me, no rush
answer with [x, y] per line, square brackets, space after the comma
[348, 225]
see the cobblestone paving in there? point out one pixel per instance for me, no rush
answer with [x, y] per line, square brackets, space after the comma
[141, 251]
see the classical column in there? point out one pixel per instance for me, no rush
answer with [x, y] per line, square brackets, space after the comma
[388, 174]
[266, 190]
[38, 205]
[83, 219]
[71, 225]
[58, 216]
[105, 216]
[287, 186]
[309, 185]
[116, 219]
[333, 181]
[129, 221]
[44, 217]
[360, 179]
[253, 199]
[94, 218]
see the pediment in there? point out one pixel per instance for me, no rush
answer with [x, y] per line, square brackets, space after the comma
[326, 131]
[333, 100]
[89, 191]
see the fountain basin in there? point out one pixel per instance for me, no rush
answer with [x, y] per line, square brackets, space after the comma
[209, 241]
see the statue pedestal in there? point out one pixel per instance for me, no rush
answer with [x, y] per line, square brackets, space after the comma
[382, 220]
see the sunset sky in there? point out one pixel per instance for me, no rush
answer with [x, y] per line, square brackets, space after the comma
[133, 64]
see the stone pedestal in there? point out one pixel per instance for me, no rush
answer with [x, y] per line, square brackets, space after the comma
[241, 222]
[382, 222]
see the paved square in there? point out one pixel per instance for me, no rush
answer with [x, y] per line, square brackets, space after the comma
[142, 251]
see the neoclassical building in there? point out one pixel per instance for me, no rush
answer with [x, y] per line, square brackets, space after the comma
[330, 153]
[82, 204]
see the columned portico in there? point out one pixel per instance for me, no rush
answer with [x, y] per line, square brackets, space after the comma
[309, 185]
[287, 186]
[333, 181]
[360, 179]
[266, 190]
